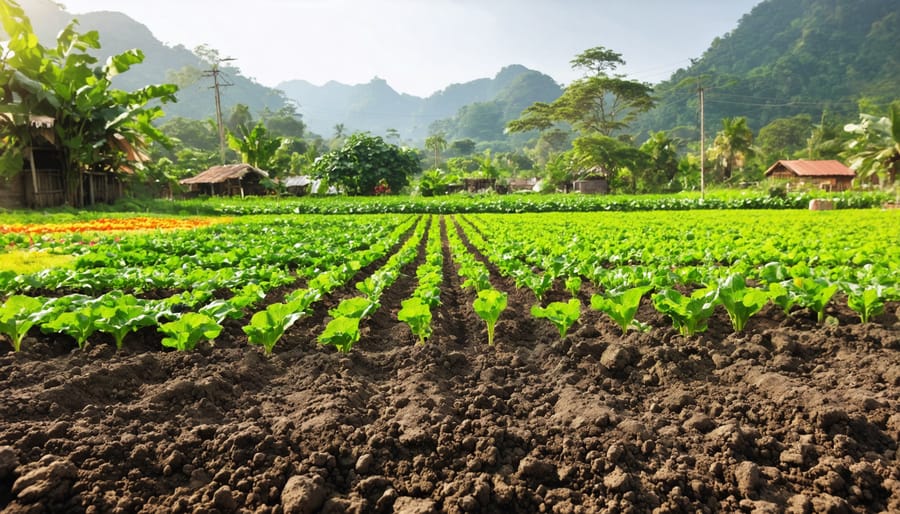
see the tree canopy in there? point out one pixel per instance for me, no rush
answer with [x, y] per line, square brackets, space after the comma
[365, 162]
[598, 103]
[95, 126]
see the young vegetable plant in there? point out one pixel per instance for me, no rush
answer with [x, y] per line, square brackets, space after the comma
[562, 314]
[814, 293]
[17, 318]
[356, 307]
[573, 285]
[79, 324]
[342, 333]
[782, 296]
[416, 313]
[741, 301]
[188, 330]
[122, 317]
[867, 302]
[689, 314]
[266, 327]
[621, 305]
[489, 304]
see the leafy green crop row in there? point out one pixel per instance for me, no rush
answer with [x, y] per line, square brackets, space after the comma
[266, 273]
[515, 203]
[800, 260]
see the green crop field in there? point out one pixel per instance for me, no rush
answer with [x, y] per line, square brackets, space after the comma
[268, 271]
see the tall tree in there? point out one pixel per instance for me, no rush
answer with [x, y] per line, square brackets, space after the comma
[662, 150]
[240, 117]
[437, 144]
[597, 103]
[95, 126]
[363, 162]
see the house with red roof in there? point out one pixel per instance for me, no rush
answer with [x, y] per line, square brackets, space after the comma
[827, 175]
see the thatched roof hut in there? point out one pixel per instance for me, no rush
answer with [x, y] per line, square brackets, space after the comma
[228, 180]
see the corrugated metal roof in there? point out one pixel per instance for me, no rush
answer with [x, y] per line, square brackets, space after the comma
[813, 168]
[219, 174]
[297, 181]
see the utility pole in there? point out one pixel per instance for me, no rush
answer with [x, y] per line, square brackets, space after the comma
[702, 150]
[214, 72]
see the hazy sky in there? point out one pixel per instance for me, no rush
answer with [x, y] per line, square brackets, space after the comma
[421, 46]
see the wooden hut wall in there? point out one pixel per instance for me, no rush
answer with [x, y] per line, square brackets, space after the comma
[12, 192]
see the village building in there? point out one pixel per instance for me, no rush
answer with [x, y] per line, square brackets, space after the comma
[228, 180]
[43, 183]
[826, 175]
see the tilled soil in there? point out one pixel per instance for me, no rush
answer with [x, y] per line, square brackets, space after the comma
[790, 416]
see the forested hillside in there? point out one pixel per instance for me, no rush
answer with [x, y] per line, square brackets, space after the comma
[790, 57]
[477, 109]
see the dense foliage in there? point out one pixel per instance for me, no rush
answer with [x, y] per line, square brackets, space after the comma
[365, 164]
[95, 127]
[790, 57]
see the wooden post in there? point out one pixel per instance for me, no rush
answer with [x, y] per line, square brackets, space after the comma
[34, 179]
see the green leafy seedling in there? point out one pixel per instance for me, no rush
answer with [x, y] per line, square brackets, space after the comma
[741, 301]
[221, 309]
[356, 307]
[562, 314]
[477, 278]
[123, 317]
[375, 284]
[621, 305]
[814, 293]
[489, 304]
[416, 313]
[79, 324]
[342, 333]
[266, 327]
[689, 314]
[573, 285]
[539, 284]
[782, 296]
[867, 302]
[17, 318]
[302, 299]
[188, 330]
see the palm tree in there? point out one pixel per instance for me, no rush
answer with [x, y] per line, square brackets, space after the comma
[732, 146]
[437, 144]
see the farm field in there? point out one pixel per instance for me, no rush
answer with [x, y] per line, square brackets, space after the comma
[690, 361]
